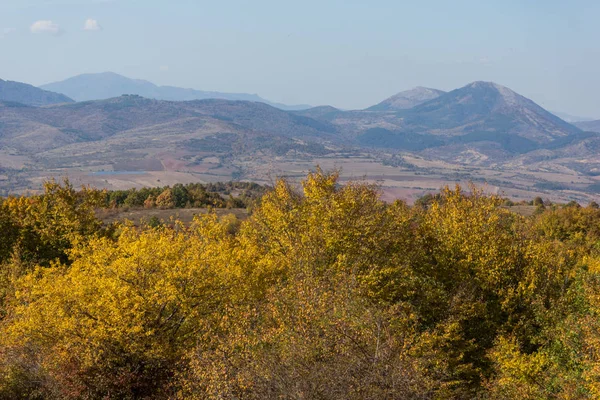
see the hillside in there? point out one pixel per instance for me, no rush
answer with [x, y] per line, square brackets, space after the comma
[29, 95]
[407, 99]
[325, 113]
[483, 108]
[107, 85]
[115, 127]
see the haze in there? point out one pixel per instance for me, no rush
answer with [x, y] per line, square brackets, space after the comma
[349, 54]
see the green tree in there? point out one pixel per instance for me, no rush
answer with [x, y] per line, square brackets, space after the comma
[180, 195]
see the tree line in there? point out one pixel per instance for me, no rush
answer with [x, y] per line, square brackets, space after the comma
[196, 195]
[324, 292]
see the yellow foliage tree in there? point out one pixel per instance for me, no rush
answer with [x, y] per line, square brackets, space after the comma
[117, 321]
[165, 199]
[324, 292]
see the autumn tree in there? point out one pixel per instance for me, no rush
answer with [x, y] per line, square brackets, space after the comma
[325, 291]
[117, 321]
[165, 199]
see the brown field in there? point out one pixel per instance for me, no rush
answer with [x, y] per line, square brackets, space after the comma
[409, 181]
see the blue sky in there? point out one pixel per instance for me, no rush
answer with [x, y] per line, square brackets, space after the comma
[349, 54]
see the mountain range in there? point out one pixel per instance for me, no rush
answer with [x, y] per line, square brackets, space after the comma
[476, 113]
[481, 129]
[107, 85]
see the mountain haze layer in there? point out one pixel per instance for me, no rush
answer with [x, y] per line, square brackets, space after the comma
[591, 126]
[108, 85]
[572, 119]
[30, 95]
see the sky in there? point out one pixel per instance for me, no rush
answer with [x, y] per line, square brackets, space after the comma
[346, 53]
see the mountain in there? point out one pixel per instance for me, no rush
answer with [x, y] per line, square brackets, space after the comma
[481, 114]
[407, 99]
[486, 108]
[590, 126]
[109, 85]
[30, 95]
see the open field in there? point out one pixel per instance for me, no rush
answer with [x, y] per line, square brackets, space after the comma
[416, 176]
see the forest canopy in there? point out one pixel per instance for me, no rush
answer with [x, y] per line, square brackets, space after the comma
[323, 292]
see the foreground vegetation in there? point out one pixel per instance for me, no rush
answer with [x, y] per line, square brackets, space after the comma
[218, 195]
[327, 293]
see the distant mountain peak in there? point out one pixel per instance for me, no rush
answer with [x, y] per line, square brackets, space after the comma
[325, 108]
[489, 86]
[105, 85]
[425, 89]
[509, 96]
[407, 99]
[488, 107]
[482, 84]
[105, 73]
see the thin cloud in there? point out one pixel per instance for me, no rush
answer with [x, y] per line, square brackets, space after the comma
[46, 26]
[485, 61]
[91, 25]
[6, 31]
[164, 68]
